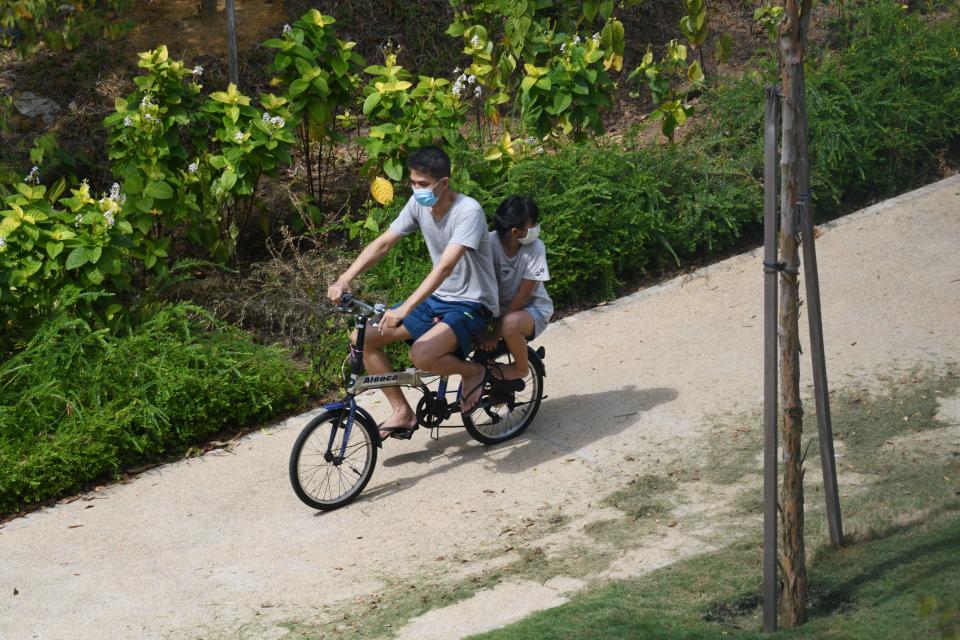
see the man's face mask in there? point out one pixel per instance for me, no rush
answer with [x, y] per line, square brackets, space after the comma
[426, 197]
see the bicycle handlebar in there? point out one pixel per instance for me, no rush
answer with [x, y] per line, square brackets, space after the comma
[347, 300]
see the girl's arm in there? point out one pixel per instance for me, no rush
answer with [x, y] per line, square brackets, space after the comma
[522, 296]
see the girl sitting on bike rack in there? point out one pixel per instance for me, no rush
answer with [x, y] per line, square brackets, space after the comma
[520, 262]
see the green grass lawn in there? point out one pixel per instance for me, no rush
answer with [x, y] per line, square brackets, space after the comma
[897, 577]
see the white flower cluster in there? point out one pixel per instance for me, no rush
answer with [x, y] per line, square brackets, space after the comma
[461, 83]
[147, 108]
[78, 220]
[238, 137]
[576, 41]
[475, 41]
[287, 29]
[276, 121]
[3, 243]
[192, 167]
[33, 176]
[111, 204]
[198, 70]
[127, 121]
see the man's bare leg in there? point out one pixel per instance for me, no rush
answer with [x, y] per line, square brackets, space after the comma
[376, 361]
[433, 352]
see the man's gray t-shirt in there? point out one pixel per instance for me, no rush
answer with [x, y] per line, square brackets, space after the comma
[530, 263]
[473, 278]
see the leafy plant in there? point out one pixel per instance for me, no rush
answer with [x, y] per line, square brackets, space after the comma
[321, 75]
[154, 138]
[663, 78]
[769, 16]
[25, 24]
[191, 164]
[246, 145]
[695, 29]
[48, 243]
[403, 116]
[570, 92]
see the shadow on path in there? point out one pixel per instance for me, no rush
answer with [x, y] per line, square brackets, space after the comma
[565, 425]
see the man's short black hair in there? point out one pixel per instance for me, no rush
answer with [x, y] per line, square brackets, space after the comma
[432, 161]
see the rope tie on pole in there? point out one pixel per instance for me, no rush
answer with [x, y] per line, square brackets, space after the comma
[776, 267]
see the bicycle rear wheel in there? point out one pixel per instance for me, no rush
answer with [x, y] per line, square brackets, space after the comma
[501, 415]
[324, 473]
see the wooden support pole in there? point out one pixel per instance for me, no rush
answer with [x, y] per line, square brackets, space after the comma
[232, 43]
[770, 362]
[818, 359]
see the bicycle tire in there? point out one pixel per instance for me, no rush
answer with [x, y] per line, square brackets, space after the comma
[321, 482]
[512, 417]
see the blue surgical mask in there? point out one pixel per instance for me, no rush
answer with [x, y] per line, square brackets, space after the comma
[426, 197]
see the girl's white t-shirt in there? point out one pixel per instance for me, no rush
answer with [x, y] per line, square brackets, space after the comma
[530, 263]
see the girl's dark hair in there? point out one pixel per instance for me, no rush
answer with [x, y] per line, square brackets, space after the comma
[432, 161]
[515, 212]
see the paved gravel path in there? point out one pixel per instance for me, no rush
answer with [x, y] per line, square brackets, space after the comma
[219, 545]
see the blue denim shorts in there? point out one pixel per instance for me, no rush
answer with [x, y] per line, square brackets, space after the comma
[467, 319]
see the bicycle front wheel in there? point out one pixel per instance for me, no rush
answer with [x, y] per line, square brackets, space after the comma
[328, 467]
[501, 415]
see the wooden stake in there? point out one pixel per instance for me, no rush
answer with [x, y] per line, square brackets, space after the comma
[770, 363]
[232, 43]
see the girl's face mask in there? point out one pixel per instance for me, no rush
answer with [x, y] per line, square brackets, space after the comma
[532, 234]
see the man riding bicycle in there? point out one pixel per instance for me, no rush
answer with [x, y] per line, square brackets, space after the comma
[453, 303]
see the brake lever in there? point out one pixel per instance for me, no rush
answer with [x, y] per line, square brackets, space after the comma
[379, 309]
[344, 304]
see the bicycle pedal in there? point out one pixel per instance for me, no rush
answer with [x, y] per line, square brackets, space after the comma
[402, 434]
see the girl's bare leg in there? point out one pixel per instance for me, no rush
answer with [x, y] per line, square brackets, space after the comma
[517, 325]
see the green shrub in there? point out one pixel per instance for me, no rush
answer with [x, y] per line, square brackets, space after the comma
[49, 243]
[882, 110]
[192, 165]
[600, 228]
[78, 403]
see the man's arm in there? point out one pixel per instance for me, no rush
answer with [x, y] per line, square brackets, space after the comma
[370, 255]
[448, 260]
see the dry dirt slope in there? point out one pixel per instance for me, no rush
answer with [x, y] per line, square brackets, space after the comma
[219, 546]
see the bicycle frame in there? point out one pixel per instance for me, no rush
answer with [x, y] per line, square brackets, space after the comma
[360, 382]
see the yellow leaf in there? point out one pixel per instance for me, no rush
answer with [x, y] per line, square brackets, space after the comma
[533, 71]
[381, 190]
[506, 143]
[615, 61]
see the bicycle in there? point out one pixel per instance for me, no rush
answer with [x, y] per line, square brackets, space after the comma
[332, 460]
